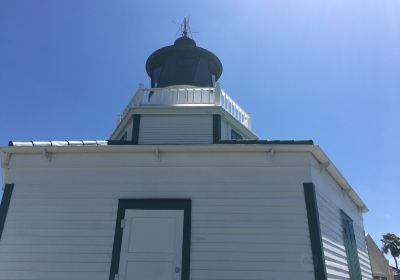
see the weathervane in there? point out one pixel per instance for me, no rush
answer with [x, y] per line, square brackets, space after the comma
[184, 28]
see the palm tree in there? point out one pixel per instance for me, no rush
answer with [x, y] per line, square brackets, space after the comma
[391, 243]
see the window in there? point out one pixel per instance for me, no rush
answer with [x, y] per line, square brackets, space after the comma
[351, 247]
[124, 136]
[235, 135]
[156, 76]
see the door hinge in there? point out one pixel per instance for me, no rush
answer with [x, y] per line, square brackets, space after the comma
[123, 222]
[116, 277]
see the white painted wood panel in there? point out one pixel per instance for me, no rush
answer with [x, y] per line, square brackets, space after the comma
[151, 245]
[248, 220]
[331, 199]
[175, 129]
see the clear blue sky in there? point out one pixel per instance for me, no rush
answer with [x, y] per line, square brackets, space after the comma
[322, 70]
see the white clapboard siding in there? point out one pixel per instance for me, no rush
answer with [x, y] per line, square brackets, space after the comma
[248, 220]
[173, 129]
[331, 199]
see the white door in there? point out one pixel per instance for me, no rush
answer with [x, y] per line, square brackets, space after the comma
[151, 245]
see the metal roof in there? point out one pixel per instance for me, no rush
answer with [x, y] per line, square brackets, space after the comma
[58, 143]
[119, 142]
[274, 142]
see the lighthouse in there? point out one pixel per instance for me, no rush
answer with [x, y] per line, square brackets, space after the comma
[185, 103]
[183, 189]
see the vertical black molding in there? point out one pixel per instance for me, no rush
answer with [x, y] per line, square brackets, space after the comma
[5, 203]
[154, 204]
[135, 129]
[187, 235]
[116, 252]
[216, 128]
[315, 231]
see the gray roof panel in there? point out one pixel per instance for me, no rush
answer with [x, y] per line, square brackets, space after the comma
[119, 142]
[57, 143]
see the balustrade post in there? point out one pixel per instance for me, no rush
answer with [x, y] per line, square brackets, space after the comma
[119, 119]
[248, 121]
[217, 94]
[138, 97]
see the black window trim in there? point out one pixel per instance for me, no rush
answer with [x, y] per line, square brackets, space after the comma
[351, 249]
[154, 204]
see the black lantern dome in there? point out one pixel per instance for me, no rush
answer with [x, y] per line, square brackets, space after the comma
[183, 63]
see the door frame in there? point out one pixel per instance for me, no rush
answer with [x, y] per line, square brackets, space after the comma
[153, 204]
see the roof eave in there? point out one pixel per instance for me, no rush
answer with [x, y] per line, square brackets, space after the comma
[261, 146]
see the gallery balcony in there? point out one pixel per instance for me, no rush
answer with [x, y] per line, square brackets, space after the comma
[188, 96]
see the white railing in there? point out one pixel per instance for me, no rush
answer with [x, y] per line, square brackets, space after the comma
[187, 96]
[234, 109]
[177, 96]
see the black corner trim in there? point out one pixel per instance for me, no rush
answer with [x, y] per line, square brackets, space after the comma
[216, 128]
[315, 231]
[5, 203]
[154, 204]
[135, 129]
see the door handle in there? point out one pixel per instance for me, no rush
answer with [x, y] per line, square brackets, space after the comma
[177, 270]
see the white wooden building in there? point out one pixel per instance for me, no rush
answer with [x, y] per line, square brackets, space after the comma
[182, 190]
[379, 264]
